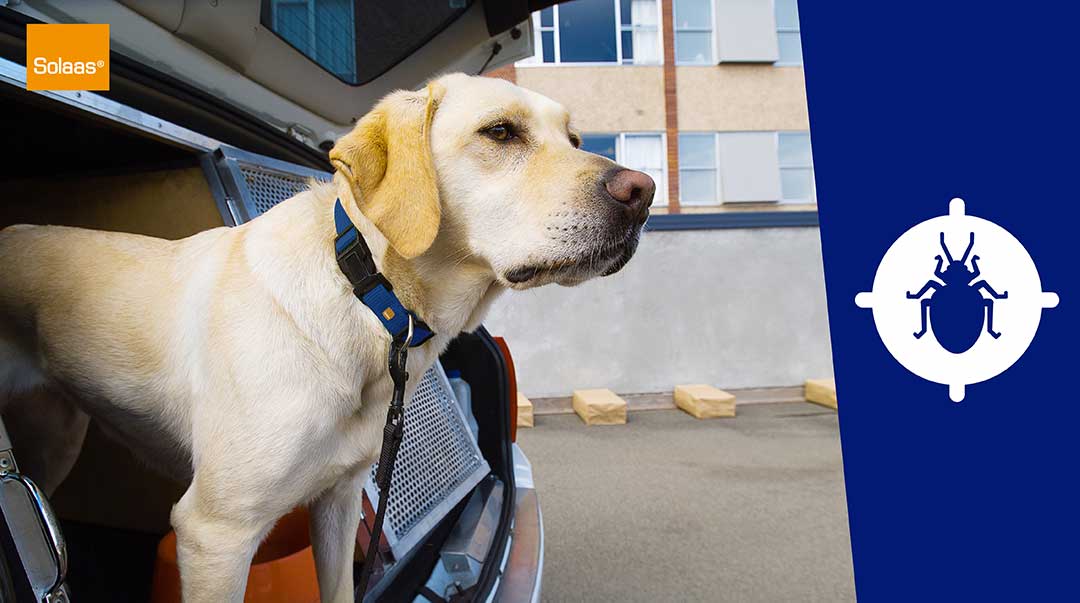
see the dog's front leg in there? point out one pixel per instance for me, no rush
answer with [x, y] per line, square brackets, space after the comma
[214, 545]
[335, 517]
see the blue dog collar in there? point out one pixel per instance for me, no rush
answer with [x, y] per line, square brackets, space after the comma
[369, 285]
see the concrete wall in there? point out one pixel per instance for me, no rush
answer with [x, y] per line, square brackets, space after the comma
[734, 308]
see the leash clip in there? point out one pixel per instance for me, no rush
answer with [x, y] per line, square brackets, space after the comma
[399, 356]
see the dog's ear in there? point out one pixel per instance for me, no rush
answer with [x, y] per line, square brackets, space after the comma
[387, 161]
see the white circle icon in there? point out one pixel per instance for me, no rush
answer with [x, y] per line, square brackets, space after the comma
[957, 300]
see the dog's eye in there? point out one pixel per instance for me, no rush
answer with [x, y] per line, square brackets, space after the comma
[500, 132]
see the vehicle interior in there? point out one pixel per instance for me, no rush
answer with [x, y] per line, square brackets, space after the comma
[156, 156]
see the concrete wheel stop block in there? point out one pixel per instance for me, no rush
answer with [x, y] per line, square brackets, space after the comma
[821, 391]
[599, 407]
[524, 411]
[705, 401]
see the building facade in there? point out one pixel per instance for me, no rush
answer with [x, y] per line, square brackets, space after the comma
[708, 97]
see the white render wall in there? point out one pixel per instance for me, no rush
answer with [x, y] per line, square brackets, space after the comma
[732, 307]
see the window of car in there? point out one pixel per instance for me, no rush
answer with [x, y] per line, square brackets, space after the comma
[598, 31]
[693, 32]
[358, 41]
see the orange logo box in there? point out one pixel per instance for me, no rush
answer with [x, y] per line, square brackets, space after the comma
[67, 57]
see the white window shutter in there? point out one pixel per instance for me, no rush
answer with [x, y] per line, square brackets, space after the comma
[746, 31]
[749, 168]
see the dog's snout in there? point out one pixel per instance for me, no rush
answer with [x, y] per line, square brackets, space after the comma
[632, 188]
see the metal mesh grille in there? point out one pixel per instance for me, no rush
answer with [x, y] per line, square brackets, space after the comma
[438, 464]
[270, 187]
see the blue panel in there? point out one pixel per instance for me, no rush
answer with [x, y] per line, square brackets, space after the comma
[547, 17]
[601, 144]
[547, 41]
[587, 32]
[977, 500]
[628, 46]
[733, 219]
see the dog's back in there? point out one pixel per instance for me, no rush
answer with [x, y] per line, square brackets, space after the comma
[84, 319]
[49, 273]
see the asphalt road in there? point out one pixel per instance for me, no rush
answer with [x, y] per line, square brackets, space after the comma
[670, 508]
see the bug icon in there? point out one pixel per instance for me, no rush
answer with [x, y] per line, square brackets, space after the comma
[955, 305]
[958, 307]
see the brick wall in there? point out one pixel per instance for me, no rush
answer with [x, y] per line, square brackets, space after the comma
[671, 107]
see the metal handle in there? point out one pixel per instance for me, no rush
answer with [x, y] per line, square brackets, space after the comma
[50, 525]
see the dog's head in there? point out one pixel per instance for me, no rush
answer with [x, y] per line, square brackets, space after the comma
[496, 170]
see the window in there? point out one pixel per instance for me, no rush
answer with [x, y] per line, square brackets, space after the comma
[598, 31]
[693, 32]
[787, 33]
[796, 168]
[645, 153]
[333, 33]
[323, 30]
[699, 178]
[638, 151]
[751, 167]
[601, 144]
[640, 31]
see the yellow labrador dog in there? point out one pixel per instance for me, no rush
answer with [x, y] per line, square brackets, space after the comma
[239, 359]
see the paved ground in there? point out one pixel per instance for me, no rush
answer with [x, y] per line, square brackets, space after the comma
[669, 508]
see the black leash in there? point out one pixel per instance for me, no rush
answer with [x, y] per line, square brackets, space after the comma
[393, 433]
[406, 330]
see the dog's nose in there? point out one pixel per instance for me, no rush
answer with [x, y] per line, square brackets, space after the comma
[628, 186]
[633, 188]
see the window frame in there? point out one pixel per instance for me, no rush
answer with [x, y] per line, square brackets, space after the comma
[781, 167]
[787, 30]
[537, 59]
[661, 198]
[711, 31]
[717, 176]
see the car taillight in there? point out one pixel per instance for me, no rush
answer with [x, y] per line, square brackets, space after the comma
[511, 378]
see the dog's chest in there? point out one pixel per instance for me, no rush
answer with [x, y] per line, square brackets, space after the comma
[357, 437]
